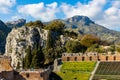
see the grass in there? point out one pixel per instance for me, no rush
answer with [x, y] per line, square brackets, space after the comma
[76, 70]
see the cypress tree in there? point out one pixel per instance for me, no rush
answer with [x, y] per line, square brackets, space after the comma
[49, 42]
[28, 58]
[38, 59]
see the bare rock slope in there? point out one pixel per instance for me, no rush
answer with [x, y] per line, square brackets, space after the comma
[19, 39]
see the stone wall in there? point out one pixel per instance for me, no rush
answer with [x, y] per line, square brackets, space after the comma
[36, 75]
[93, 57]
[8, 73]
[6, 70]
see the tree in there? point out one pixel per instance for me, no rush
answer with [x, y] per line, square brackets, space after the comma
[49, 55]
[29, 23]
[70, 34]
[49, 42]
[35, 24]
[74, 47]
[38, 58]
[88, 40]
[93, 48]
[38, 23]
[55, 26]
[28, 58]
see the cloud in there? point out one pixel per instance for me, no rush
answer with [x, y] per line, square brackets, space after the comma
[5, 5]
[94, 9]
[40, 11]
[111, 16]
[16, 17]
[91, 9]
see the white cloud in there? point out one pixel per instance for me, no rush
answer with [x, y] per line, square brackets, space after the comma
[40, 11]
[111, 16]
[91, 9]
[16, 17]
[5, 5]
[116, 4]
[94, 9]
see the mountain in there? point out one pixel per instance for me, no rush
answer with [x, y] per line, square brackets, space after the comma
[50, 38]
[17, 23]
[84, 25]
[4, 30]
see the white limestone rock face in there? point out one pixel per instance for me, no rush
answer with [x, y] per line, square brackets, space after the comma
[19, 39]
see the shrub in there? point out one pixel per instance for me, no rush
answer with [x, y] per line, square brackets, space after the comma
[35, 24]
[55, 26]
[74, 47]
[88, 40]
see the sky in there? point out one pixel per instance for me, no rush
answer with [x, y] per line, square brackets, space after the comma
[103, 12]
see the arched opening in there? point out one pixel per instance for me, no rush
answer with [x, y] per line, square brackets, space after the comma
[27, 75]
[90, 58]
[75, 58]
[106, 58]
[114, 58]
[68, 58]
[83, 58]
[98, 58]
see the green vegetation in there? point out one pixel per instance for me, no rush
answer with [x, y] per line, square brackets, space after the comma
[38, 59]
[117, 48]
[53, 47]
[88, 40]
[20, 40]
[76, 70]
[34, 58]
[55, 26]
[74, 47]
[28, 58]
[35, 24]
[49, 42]
[70, 34]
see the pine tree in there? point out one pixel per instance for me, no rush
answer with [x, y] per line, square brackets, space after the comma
[28, 58]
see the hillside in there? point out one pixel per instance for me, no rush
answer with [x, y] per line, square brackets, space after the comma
[4, 30]
[83, 25]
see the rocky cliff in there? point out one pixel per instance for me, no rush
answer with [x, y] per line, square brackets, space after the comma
[20, 38]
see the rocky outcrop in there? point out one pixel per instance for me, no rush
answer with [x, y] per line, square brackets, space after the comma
[17, 23]
[19, 39]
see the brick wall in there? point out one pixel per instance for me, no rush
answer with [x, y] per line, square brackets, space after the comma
[6, 70]
[35, 75]
[7, 75]
[100, 57]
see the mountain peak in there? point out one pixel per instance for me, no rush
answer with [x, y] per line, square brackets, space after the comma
[17, 23]
[77, 18]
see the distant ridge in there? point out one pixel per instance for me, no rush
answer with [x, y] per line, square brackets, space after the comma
[84, 25]
[17, 23]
